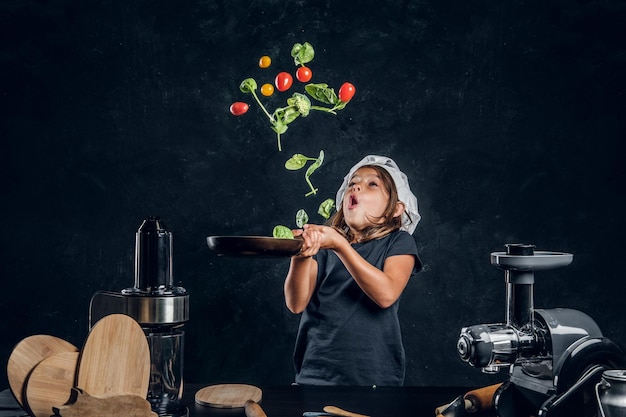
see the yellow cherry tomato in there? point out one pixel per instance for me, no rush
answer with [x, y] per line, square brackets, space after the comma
[265, 61]
[267, 89]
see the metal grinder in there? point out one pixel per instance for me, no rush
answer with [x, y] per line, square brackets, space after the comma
[160, 308]
[554, 357]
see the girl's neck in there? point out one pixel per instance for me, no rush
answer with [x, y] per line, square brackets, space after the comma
[362, 236]
[355, 240]
[359, 236]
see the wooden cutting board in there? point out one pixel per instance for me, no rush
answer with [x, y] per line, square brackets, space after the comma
[28, 353]
[50, 383]
[115, 359]
[228, 395]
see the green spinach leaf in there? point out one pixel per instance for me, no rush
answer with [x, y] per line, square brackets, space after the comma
[302, 218]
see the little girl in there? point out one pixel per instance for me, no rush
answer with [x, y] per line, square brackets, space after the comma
[347, 280]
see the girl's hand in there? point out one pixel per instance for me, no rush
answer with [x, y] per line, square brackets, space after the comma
[317, 237]
[312, 241]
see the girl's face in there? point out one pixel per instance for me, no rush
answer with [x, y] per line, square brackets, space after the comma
[365, 200]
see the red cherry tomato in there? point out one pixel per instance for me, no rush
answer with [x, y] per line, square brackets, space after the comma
[283, 81]
[346, 92]
[304, 74]
[238, 108]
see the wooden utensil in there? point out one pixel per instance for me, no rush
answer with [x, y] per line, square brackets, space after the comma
[50, 383]
[253, 409]
[455, 408]
[336, 411]
[475, 401]
[481, 399]
[115, 359]
[28, 353]
[228, 395]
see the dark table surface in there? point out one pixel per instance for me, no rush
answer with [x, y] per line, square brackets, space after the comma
[292, 401]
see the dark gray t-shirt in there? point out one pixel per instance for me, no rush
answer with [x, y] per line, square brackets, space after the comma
[344, 338]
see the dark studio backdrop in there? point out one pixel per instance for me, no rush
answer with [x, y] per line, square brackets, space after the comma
[508, 118]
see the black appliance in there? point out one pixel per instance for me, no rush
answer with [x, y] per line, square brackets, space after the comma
[554, 357]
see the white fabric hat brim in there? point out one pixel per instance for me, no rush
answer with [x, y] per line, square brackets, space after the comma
[402, 185]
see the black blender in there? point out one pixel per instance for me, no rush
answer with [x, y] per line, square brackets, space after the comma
[160, 308]
[554, 356]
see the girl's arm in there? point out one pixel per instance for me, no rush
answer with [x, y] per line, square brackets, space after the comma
[383, 287]
[302, 276]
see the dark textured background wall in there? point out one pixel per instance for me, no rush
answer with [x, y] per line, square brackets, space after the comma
[508, 118]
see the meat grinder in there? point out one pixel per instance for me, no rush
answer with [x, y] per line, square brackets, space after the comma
[554, 357]
[160, 308]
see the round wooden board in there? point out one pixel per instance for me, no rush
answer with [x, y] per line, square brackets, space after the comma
[115, 359]
[28, 353]
[50, 383]
[228, 395]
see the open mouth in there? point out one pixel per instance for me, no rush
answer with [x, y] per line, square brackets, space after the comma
[352, 202]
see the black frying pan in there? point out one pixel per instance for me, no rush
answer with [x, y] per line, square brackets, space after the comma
[253, 246]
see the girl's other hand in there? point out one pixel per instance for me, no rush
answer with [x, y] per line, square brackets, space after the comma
[312, 241]
[317, 237]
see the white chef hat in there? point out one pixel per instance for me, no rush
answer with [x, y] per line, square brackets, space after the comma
[402, 185]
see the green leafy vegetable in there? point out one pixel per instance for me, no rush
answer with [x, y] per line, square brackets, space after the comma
[326, 208]
[302, 218]
[324, 94]
[282, 232]
[249, 86]
[312, 168]
[298, 161]
[302, 54]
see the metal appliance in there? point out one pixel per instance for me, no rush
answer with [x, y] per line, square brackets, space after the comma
[160, 308]
[554, 356]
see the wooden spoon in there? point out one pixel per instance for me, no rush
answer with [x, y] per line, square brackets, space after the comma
[253, 409]
[115, 359]
[336, 411]
[28, 353]
[50, 383]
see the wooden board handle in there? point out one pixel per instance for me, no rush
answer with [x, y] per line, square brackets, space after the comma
[480, 399]
[253, 409]
[340, 412]
[447, 408]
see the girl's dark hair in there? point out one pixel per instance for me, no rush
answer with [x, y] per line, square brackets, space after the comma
[375, 231]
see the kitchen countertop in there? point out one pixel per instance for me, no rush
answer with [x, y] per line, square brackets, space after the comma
[292, 401]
